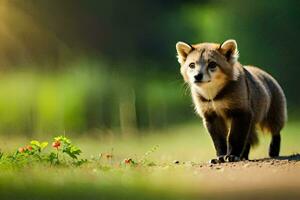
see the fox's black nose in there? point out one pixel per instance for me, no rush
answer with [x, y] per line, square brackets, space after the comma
[198, 77]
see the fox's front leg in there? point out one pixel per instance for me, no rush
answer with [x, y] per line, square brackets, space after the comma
[217, 129]
[238, 136]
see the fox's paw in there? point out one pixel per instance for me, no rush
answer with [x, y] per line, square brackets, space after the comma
[232, 158]
[219, 159]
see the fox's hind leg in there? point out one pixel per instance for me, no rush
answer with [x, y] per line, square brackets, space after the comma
[274, 148]
[276, 117]
[274, 126]
[274, 123]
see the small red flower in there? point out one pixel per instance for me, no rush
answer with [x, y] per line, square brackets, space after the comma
[56, 144]
[21, 149]
[29, 148]
[128, 161]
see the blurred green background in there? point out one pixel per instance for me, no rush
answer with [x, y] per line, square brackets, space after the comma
[90, 66]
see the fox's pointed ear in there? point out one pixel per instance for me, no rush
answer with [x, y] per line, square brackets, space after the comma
[229, 50]
[183, 49]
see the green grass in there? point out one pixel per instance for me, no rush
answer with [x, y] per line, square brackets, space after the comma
[103, 178]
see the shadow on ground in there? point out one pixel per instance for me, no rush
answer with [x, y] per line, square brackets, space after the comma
[293, 157]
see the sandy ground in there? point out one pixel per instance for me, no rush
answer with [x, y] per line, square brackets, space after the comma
[255, 179]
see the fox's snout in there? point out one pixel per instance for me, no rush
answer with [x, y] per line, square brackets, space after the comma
[198, 78]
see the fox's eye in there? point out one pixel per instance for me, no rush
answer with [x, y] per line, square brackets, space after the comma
[212, 65]
[192, 65]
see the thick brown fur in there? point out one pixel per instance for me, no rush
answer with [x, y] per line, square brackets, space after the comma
[233, 100]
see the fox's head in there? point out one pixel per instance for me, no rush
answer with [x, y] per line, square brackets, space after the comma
[208, 66]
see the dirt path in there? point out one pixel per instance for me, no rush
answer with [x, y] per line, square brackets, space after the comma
[256, 179]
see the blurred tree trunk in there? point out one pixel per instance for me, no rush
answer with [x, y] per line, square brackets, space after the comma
[128, 122]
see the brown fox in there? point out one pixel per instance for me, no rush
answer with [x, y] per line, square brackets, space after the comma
[233, 100]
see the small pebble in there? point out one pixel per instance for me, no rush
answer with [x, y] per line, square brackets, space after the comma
[246, 165]
[176, 162]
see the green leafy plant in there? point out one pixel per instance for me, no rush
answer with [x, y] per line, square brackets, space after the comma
[34, 152]
[63, 144]
[145, 159]
[37, 146]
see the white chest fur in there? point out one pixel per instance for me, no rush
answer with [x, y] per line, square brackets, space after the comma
[219, 107]
[209, 92]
